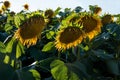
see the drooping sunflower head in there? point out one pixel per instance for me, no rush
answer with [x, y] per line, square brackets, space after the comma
[68, 37]
[49, 13]
[91, 25]
[1, 11]
[107, 19]
[30, 31]
[97, 10]
[12, 13]
[6, 4]
[26, 6]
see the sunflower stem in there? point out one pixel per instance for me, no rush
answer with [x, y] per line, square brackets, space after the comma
[78, 53]
[59, 55]
[66, 57]
[74, 51]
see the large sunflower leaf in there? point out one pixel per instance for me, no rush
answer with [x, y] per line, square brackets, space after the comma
[8, 27]
[2, 47]
[18, 19]
[50, 34]
[9, 18]
[102, 54]
[57, 11]
[2, 18]
[9, 42]
[67, 71]
[31, 74]
[6, 47]
[19, 50]
[13, 48]
[59, 70]
[78, 68]
[6, 72]
[113, 66]
[9, 50]
[35, 74]
[45, 64]
[48, 47]
[3, 36]
[100, 39]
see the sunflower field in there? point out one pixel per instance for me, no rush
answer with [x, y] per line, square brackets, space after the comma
[69, 44]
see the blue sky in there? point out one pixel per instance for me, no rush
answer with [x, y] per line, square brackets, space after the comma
[108, 6]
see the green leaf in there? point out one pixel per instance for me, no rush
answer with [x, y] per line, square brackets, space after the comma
[103, 55]
[14, 48]
[32, 74]
[68, 71]
[78, 68]
[50, 34]
[2, 56]
[2, 47]
[35, 74]
[19, 50]
[113, 66]
[6, 72]
[59, 70]
[9, 19]
[18, 19]
[10, 45]
[45, 64]
[48, 47]
[6, 59]
[3, 36]
[8, 27]
[57, 11]
[100, 39]
[36, 53]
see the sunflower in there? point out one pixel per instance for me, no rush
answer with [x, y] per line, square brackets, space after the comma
[68, 37]
[107, 19]
[30, 30]
[6, 4]
[97, 10]
[26, 7]
[12, 13]
[49, 13]
[1, 11]
[3, 8]
[91, 25]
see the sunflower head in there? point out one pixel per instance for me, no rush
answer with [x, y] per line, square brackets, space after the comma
[49, 13]
[1, 11]
[3, 8]
[91, 25]
[97, 10]
[107, 19]
[6, 4]
[12, 13]
[30, 30]
[26, 6]
[68, 37]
